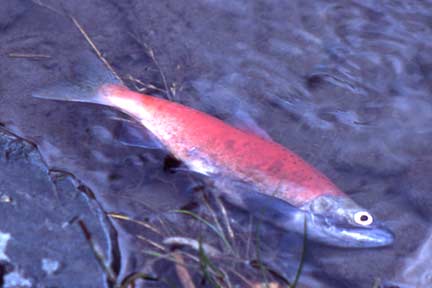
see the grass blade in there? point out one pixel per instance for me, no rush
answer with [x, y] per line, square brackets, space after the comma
[302, 257]
[210, 225]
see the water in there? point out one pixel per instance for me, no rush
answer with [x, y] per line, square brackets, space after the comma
[345, 85]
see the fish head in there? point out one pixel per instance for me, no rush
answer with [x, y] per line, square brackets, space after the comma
[339, 221]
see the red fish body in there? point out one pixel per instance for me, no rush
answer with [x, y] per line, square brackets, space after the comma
[208, 144]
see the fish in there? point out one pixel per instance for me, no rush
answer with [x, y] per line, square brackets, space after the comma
[250, 171]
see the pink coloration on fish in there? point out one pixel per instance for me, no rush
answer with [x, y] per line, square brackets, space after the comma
[208, 144]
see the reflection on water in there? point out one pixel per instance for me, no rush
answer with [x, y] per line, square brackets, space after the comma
[417, 271]
[345, 85]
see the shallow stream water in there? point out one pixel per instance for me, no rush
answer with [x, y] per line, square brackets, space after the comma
[346, 85]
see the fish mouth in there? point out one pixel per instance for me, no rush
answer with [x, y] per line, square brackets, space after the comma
[373, 237]
[349, 236]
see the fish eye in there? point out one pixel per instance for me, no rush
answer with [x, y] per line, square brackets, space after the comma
[363, 218]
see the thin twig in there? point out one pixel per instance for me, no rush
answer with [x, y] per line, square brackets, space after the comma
[151, 54]
[97, 251]
[86, 36]
[49, 7]
[226, 219]
[145, 86]
[249, 238]
[152, 243]
[217, 223]
[139, 222]
[269, 285]
[130, 280]
[29, 55]
[93, 45]
[182, 272]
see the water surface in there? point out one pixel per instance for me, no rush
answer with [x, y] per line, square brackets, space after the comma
[344, 85]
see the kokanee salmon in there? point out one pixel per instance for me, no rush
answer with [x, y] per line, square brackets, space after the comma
[209, 146]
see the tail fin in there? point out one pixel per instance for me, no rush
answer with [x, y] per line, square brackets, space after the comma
[86, 75]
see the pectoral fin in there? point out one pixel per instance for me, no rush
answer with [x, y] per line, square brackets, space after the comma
[134, 134]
